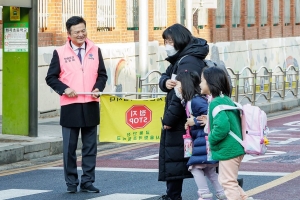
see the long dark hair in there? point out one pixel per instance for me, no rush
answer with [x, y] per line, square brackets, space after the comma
[190, 81]
[180, 35]
[217, 81]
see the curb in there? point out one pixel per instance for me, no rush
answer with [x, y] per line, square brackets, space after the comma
[20, 151]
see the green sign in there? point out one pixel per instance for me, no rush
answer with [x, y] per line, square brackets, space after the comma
[15, 75]
[15, 37]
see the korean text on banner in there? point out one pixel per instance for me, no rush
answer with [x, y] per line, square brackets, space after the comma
[130, 120]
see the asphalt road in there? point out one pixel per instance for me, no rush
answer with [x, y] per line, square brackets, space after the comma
[129, 172]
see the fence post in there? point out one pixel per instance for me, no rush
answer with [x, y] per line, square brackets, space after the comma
[284, 82]
[297, 81]
[138, 85]
[270, 85]
[237, 87]
[254, 88]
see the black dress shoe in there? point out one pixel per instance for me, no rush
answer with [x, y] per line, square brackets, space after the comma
[89, 188]
[72, 189]
[166, 197]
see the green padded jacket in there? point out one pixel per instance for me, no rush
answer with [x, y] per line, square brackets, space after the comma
[223, 146]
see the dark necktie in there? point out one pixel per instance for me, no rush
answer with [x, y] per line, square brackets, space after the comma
[79, 54]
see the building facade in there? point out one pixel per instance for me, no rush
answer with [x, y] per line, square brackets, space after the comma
[117, 21]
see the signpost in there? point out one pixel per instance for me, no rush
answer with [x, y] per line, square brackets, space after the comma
[19, 93]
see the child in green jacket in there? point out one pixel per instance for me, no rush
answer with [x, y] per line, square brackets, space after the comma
[224, 147]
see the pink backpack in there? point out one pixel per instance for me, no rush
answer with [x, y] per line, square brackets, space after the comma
[254, 127]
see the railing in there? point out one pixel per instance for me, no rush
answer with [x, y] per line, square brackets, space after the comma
[43, 14]
[248, 85]
[160, 14]
[106, 15]
[132, 15]
[148, 84]
[71, 8]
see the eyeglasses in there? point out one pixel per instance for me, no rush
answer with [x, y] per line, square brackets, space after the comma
[169, 41]
[83, 31]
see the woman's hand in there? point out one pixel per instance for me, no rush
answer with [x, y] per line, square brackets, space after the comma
[202, 120]
[190, 121]
[170, 84]
[186, 126]
[167, 127]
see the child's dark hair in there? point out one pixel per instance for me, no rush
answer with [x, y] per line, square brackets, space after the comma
[217, 81]
[190, 81]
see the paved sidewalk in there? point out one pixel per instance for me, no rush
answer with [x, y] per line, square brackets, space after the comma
[14, 148]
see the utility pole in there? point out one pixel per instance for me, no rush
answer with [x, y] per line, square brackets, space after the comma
[33, 69]
[143, 37]
[189, 15]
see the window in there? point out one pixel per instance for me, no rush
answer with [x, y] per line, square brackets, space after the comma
[160, 14]
[43, 14]
[264, 12]
[132, 15]
[251, 12]
[236, 12]
[275, 12]
[220, 13]
[71, 8]
[202, 17]
[287, 12]
[106, 15]
[297, 10]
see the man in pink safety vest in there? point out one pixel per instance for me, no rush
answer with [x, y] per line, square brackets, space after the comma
[75, 67]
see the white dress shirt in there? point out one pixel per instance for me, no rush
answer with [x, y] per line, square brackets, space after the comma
[82, 51]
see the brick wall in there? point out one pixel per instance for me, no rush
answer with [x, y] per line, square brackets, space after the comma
[252, 33]
[45, 39]
[264, 32]
[53, 35]
[297, 30]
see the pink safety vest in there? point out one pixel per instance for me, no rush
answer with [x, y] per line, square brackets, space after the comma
[81, 78]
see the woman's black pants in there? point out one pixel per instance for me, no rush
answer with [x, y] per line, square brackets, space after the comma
[174, 189]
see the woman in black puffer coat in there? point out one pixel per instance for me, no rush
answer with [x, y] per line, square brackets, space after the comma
[184, 53]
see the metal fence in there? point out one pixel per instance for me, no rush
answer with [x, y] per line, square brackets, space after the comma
[254, 86]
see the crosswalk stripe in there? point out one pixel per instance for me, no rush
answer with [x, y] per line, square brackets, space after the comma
[120, 196]
[111, 169]
[14, 193]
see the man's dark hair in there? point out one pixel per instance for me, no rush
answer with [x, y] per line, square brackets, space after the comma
[180, 35]
[190, 81]
[217, 81]
[74, 21]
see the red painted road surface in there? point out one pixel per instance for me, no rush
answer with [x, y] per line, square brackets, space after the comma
[283, 155]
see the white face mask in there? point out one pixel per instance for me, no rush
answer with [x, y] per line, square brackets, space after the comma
[178, 94]
[170, 50]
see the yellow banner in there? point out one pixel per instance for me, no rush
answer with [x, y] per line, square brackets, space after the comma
[130, 120]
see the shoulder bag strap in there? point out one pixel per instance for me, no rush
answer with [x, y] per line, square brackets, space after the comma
[220, 108]
[177, 64]
[188, 115]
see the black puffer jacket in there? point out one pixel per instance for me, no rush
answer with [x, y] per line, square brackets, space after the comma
[172, 164]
